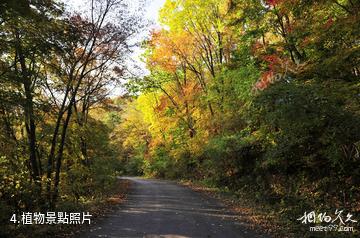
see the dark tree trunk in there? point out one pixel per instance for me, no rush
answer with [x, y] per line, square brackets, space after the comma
[29, 113]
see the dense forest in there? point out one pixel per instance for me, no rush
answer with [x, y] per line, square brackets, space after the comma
[56, 72]
[255, 97]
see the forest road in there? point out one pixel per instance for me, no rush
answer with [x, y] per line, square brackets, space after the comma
[157, 208]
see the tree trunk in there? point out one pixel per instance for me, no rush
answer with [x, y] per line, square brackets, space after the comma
[29, 113]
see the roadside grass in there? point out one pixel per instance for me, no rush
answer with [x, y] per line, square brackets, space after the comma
[264, 217]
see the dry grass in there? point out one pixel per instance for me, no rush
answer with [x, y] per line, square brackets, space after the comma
[249, 214]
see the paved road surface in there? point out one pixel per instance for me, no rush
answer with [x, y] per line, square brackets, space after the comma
[156, 208]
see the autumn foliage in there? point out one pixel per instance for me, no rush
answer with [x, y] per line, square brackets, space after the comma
[257, 98]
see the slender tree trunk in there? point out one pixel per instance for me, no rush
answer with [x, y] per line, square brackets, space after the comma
[50, 162]
[60, 153]
[82, 121]
[31, 131]
[29, 113]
